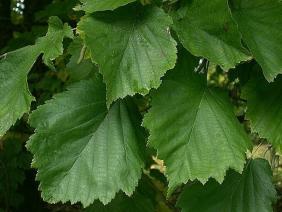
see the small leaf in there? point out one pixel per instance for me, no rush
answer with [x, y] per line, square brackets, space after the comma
[52, 44]
[91, 6]
[132, 46]
[206, 29]
[264, 102]
[102, 150]
[260, 22]
[14, 66]
[193, 127]
[251, 191]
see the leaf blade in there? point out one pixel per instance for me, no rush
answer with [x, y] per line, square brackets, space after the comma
[264, 108]
[250, 191]
[142, 49]
[101, 149]
[14, 67]
[260, 23]
[199, 137]
[207, 30]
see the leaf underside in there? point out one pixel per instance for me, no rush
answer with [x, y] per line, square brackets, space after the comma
[199, 136]
[102, 150]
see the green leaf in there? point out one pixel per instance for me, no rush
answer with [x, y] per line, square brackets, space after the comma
[15, 97]
[84, 152]
[132, 46]
[91, 6]
[193, 127]
[206, 29]
[251, 191]
[264, 102]
[14, 66]
[51, 45]
[260, 22]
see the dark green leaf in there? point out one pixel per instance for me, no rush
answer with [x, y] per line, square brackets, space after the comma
[251, 191]
[206, 29]
[264, 102]
[260, 22]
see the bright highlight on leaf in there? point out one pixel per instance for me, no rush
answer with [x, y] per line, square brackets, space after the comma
[260, 22]
[132, 46]
[102, 150]
[250, 191]
[206, 29]
[14, 66]
[193, 127]
[264, 102]
[91, 6]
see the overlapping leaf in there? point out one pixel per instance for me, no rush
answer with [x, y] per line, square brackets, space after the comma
[260, 22]
[84, 152]
[91, 6]
[206, 29]
[132, 46]
[251, 191]
[14, 66]
[193, 127]
[264, 103]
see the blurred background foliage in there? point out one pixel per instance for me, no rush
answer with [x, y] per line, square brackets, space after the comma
[21, 23]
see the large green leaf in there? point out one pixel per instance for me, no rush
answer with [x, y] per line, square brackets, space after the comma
[206, 29]
[193, 127]
[14, 66]
[260, 22]
[251, 191]
[132, 46]
[264, 103]
[82, 151]
[91, 6]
